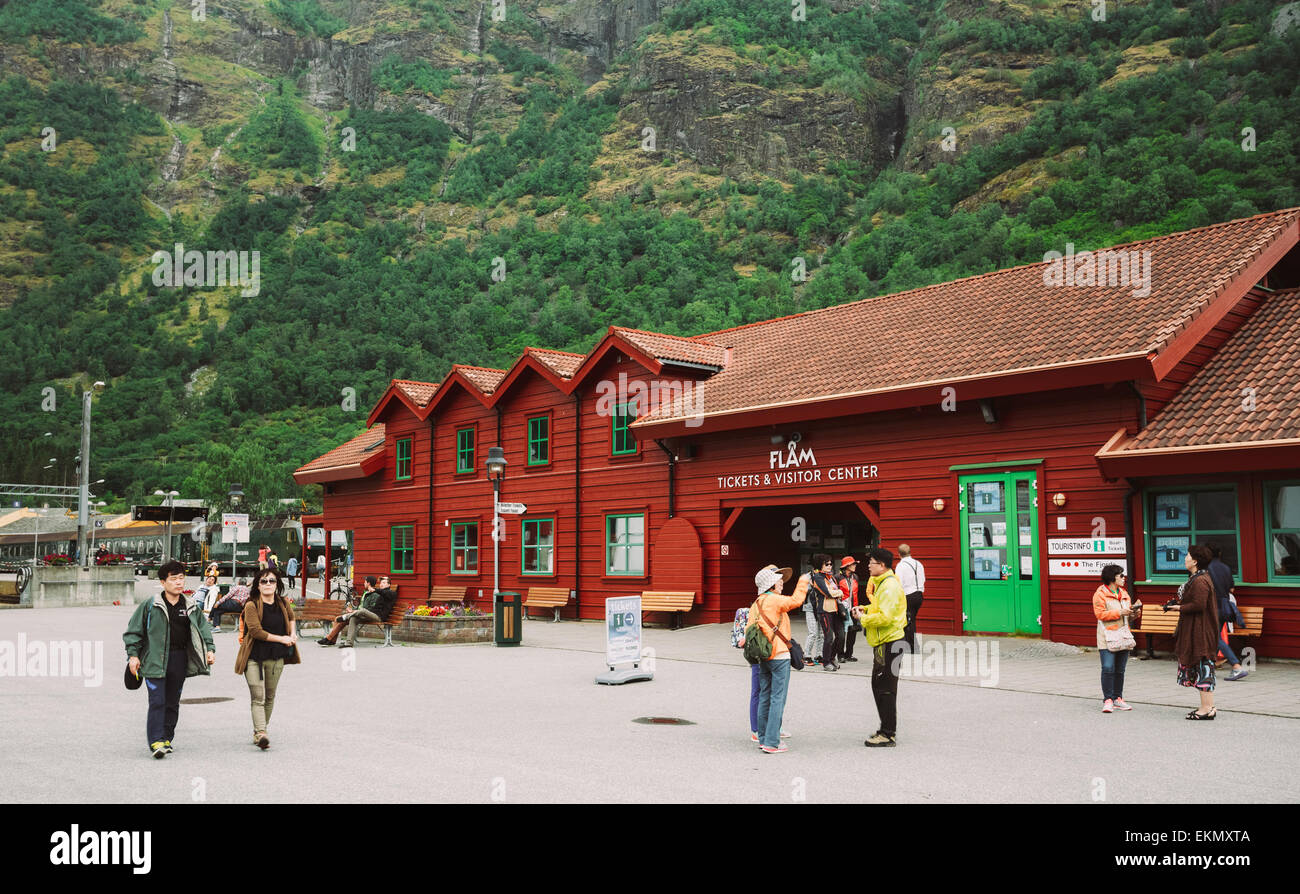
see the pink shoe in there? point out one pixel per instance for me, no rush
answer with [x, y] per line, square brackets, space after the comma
[1107, 707]
[753, 737]
[780, 749]
[1123, 705]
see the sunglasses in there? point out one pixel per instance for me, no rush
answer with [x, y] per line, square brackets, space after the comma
[269, 580]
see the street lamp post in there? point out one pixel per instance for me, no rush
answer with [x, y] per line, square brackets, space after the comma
[236, 494]
[84, 496]
[496, 468]
[92, 528]
[171, 496]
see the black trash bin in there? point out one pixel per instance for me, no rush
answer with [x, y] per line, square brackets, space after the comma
[508, 618]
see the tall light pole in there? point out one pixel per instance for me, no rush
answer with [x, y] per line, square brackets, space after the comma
[236, 494]
[496, 468]
[84, 497]
[171, 496]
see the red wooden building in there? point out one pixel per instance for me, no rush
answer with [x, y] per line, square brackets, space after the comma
[1018, 429]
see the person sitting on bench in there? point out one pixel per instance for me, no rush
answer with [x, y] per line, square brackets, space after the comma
[376, 606]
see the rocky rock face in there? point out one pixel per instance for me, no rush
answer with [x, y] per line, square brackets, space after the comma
[599, 29]
[710, 107]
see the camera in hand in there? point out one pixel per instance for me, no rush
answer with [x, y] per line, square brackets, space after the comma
[1172, 603]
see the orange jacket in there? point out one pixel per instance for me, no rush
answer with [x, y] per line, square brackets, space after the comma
[771, 608]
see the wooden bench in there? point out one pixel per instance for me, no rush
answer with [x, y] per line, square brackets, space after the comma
[547, 597]
[326, 610]
[1156, 622]
[445, 594]
[676, 601]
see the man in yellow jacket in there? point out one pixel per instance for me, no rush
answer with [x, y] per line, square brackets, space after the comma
[883, 623]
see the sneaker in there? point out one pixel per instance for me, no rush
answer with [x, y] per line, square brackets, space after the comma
[753, 737]
[850, 658]
[780, 749]
[167, 745]
[1122, 705]
[159, 750]
[880, 740]
[344, 645]
[1237, 675]
[263, 742]
[830, 667]
[784, 734]
[1107, 707]
[324, 642]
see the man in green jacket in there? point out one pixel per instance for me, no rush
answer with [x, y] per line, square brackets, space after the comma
[883, 623]
[167, 640]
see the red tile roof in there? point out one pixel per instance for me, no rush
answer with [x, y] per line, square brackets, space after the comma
[345, 461]
[675, 347]
[997, 323]
[563, 363]
[419, 392]
[481, 377]
[1213, 409]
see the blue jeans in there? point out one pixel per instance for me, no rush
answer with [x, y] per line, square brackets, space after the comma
[1112, 673]
[1227, 652]
[754, 674]
[165, 699]
[224, 607]
[773, 683]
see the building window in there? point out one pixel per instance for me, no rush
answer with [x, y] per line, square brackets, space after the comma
[539, 440]
[1182, 518]
[465, 450]
[404, 459]
[464, 548]
[625, 544]
[1282, 520]
[539, 546]
[622, 441]
[401, 559]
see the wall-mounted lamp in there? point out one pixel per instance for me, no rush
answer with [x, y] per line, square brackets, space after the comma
[938, 504]
[1058, 499]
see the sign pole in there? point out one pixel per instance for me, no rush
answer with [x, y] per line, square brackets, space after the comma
[496, 539]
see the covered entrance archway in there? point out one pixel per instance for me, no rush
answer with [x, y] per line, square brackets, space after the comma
[789, 534]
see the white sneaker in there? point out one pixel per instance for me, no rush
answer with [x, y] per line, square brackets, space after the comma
[1123, 705]
[784, 734]
[1108, 707]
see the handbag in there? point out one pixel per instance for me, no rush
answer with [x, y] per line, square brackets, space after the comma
[134, 681]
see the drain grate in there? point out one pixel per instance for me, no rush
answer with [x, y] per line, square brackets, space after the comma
[206, 701]
[668, 721]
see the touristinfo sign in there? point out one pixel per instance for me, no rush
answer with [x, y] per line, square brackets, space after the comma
[623, 641]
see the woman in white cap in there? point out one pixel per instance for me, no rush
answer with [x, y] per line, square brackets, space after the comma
[771, 611]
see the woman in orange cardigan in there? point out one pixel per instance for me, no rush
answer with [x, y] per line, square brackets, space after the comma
[1113, 609]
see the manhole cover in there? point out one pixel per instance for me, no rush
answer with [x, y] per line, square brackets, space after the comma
[206, 701]
[671, 721]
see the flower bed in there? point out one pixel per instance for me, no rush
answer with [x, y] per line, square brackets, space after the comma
[469, 626]
[57, 559]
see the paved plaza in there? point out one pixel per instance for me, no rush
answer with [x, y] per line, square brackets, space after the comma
[480, 723]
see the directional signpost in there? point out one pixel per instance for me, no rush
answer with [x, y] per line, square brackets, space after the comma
[511, 508]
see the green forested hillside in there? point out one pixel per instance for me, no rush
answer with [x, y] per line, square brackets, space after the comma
[380, 156]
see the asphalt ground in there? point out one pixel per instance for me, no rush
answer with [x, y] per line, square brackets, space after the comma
[482, 724]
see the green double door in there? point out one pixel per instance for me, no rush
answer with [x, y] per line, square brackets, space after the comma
[1001, 590]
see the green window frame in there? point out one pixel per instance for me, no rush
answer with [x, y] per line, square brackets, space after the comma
[464, 450]
[1282, 531]
[539, 441]
[621, 440]
[1176, 518]
[403, 459]
[625, 545]
[538, 553]
[401, 549]
[464, 548]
